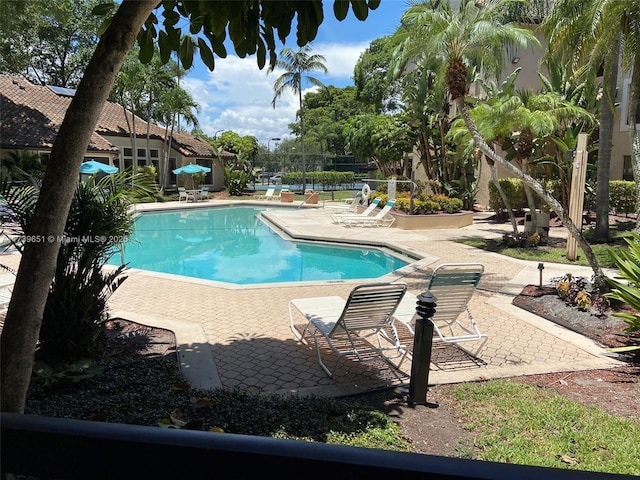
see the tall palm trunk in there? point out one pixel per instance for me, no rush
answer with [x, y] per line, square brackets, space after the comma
[38, 263]
[304, 167]
[503, 196]
[599, 277]
[634, 104]
[604, 146]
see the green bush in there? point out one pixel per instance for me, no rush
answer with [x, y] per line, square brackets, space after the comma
[514, 191]
[73, 323]
[235, 181]
[424, 204]
[622, 196]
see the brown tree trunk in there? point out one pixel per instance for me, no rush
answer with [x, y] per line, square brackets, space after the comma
[607, 112]
[37, 266]
[599, 277]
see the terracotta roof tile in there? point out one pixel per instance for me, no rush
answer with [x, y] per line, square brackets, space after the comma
[31, 115]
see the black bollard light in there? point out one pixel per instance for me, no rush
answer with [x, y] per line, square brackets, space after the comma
[422, 342]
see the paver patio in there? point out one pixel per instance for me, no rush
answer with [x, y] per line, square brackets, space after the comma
[244, 340]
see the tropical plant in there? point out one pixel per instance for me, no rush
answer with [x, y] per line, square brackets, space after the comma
[252, 28]
[235, 181]
[524, 124]
[592, 34]
[76, 307]
[297, 65]
[19, 164]
[476, 35]
[625, 287]
[175, 104]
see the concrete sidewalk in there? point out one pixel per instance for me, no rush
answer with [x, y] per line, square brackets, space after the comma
[239, 336]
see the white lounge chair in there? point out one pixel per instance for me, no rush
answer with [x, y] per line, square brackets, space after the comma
[453, 285]
[341, 217]
[204, 193]
[360, 327]
[268, 195]
[381, 219]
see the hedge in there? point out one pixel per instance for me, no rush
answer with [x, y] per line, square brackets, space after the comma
[622, 195]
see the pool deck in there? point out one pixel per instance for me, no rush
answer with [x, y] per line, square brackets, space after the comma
[239, 336]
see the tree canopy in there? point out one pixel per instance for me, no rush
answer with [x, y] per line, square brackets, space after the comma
[252, 26]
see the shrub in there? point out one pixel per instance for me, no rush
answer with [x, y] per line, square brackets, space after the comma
[73, 324]
[622, 196]
[235, 181]
[514, 191]
[626, 286]
[425, 203]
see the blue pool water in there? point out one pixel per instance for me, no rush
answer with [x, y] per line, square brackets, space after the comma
[233, 245]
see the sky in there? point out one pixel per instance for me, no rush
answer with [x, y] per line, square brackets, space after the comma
[237, 95]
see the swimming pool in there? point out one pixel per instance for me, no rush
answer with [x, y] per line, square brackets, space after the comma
[232, 244]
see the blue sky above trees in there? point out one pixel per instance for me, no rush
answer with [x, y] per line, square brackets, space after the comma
[237, 95]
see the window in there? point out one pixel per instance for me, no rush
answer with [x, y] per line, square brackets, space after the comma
[172, 176]
[627, 170]
[142, 153]
[624, 106]
[127, 152]
[208, 178]
[153, 153]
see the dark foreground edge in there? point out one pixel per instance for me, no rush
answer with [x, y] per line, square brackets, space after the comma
[75, 449]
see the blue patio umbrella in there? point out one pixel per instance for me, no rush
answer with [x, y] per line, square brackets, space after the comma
[191, 169]
[92, 166]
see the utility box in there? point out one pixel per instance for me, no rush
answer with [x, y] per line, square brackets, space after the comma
[543, 224]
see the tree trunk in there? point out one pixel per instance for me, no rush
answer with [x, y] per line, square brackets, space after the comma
[530, 200]
[634, 103]
[304, 179]
[599, 277]
[505, 199]
[38, 263]
[604, 149]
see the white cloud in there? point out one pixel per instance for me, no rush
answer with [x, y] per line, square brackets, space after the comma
[237, 95]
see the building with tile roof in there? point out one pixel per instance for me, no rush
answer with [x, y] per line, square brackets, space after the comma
[30, 116]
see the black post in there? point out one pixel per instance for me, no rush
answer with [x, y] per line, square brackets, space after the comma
[422, 342]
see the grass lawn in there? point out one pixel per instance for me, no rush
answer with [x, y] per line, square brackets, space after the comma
[521, 424]
[556, 253]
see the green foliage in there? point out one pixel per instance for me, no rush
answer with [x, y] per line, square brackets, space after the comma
[235, 181]
[514, 191]
[49, 43]
[521, 424]
[625, 287]
[17, 165]
[374, 87]
[98, 222]
[325, 114]
[383, 139]
[623, 196]
[425, 204]
[245, 148]
[74, 373]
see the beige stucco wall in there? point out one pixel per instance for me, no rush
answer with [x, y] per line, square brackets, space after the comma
[217, 183]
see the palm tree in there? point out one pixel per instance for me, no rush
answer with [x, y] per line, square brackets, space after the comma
[175, 103]
[476, 35]
[592, 34]
[296, 66]
[523, 123]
